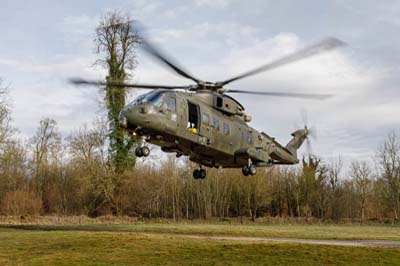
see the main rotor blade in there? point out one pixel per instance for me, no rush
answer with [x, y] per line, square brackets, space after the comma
[78, 81]
[156, 52]
[320, 47]
[284, 94]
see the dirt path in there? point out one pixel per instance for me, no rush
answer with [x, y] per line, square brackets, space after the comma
[350, 243]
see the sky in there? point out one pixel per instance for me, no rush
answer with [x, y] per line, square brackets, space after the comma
[44, 42]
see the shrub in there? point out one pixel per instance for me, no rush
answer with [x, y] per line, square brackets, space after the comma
[21, 202]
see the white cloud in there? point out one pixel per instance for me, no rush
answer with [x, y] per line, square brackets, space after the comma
[45, 92]
[392, 20]
[79, 25]
[212, 3]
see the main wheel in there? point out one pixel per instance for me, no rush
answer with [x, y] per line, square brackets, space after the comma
[246, 170]
[202, 173]
[138, 152]
[253, 169]
[145, 151]
[196, 174]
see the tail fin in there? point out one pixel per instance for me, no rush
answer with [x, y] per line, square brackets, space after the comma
[299, 136]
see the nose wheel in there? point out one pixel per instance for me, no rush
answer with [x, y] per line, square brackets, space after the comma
[199, 173]
[142, 151]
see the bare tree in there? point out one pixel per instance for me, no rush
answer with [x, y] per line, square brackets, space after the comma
[389, 160]
[46, 143]
[5, 126]
[87, 144]
[361, 173]
[3, 92]
[334, 172]
[47, 148]
[335, 191]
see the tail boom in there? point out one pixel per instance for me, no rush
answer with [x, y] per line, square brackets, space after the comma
[299, 136]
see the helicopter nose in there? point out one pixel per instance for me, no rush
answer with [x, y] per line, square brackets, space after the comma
[123, 121]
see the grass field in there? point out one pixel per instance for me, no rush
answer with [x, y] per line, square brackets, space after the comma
[350, 232]
[119, 245]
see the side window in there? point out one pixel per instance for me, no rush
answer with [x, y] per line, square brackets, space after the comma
[206, 119]
[226, 129]
[250, 138]
[219, 102]
[216, 124]
[171, 104]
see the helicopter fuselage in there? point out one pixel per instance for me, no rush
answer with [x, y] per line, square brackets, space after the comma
[208, 127]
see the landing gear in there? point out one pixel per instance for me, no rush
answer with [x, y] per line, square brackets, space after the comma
[250, 169]
[253, 169]
[142, 150]
[246, 170]
[138, 152]
[145, 151]
[199, 173]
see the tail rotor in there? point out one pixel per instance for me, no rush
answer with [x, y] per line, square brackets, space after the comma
[310, 132]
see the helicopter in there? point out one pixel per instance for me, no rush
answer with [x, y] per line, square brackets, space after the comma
[204, 122]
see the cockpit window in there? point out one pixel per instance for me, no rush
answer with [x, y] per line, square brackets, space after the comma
[154, 97]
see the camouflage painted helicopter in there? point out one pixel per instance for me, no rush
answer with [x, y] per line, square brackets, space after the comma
[205, 123]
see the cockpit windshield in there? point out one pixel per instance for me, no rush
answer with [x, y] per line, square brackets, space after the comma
[154, 97]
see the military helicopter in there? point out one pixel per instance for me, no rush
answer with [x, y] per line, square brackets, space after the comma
[204, 122]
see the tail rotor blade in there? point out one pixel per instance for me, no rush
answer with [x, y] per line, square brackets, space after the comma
[309, 147]
[304, 116]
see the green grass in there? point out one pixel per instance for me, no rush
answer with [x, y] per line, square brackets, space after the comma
[350, 232]
[36, 247]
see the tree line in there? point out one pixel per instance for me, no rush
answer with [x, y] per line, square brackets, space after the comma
[93, 170]
[74, 175]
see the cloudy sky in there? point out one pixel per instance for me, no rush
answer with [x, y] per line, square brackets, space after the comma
[44, 42]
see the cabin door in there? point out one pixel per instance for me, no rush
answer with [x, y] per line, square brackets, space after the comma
[190, 121]
[193, 123]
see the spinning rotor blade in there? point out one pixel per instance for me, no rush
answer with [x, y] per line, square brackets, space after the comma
[284, 94]
[309, 147]
[323, 46]
[150, 48]
[311, 135]
[304, 116]
[78, 81]
[156, 52]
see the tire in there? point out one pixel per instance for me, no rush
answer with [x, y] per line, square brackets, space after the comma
[202, 173]
[145, 151]
[138, 152]
[196, 174]
[245, 170]
[253, 169]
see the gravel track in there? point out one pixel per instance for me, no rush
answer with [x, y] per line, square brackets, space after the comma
[332, 242]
